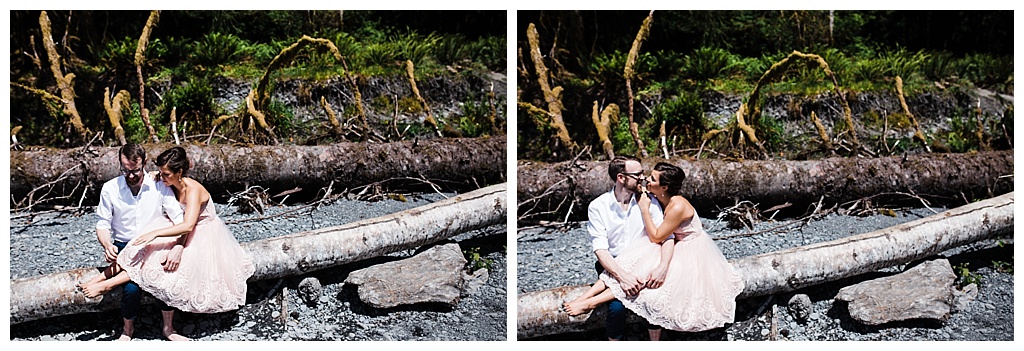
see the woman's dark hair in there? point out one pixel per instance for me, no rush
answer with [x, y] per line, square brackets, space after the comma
[671, 176]
[175, 159]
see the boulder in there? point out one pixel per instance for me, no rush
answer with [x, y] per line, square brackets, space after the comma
[924, 291]
[964, 297]
[435, 275]
[310, 290]
[800, 307]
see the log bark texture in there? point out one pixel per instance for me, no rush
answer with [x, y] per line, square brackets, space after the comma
[460, 163]
[795, 268]
[54, 294]
[714, 184]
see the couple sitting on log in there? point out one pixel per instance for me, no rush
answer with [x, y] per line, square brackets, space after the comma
[161, 234]
[654, 257]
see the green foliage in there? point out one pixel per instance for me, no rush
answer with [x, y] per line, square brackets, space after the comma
[903, 64]
[770, 131]
[475, 261]
[684, 116]
[473, 121]
[965, 276]
[708, 63]
[280, 117]
[193, 100]
[961, 137]
[215, 49]
[382, 104]
[986, 70]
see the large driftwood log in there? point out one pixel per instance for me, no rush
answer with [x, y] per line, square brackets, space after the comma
[795, 268]
[54, 294]
[714, 184]
[456, 163]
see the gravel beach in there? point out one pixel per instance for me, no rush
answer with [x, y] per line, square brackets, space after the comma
[549, 257]
[53, 242]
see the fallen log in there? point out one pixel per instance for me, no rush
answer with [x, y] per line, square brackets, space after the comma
[55, 295]
[462, 164]
[799, 267]
[714, 184]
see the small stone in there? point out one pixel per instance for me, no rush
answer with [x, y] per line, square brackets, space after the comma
[814, 315]
[275, 314]
[764, 332]
[800, 307]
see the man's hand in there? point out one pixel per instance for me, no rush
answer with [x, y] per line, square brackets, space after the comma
[657, 277]
[173, 258]
[631, 284]
[110, 253]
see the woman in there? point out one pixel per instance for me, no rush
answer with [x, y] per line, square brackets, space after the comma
[212, 274]
[700, 286]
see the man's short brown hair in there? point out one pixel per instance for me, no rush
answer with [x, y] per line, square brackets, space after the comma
[133, 151]
[618, 165]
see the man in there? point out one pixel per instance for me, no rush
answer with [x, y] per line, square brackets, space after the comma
[614, 221]
[131, 205]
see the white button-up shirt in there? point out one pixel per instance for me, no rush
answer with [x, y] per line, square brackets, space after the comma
[125, 215]
[612, 228]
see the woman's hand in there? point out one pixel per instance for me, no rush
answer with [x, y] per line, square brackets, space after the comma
[144, 239]
[645, 201]
[657, 277]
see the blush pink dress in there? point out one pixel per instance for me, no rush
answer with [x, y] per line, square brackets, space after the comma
[213, 271]
[700, 287]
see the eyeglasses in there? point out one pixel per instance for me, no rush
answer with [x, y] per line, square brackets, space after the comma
[634, 175]
[127, 172]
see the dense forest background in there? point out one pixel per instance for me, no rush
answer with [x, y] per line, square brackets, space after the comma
[689, 60]
[190, 53]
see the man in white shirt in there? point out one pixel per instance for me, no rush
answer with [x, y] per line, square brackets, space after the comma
[131, 205]
[614, 221]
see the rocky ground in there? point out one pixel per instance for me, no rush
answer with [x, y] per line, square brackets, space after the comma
[549, 257]
[53, 242]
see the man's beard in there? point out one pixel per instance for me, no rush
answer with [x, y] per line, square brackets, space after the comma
[635, 188]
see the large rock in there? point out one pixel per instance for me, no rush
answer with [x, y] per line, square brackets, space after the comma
[800, 307]
[435, 275]
[925, 291]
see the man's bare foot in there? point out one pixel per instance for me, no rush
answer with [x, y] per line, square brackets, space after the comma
[576, 308]
[172, 335]
[97, 289]
[126, 332]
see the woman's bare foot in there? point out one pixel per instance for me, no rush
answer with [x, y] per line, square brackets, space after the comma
[95, 290]
[172, 335]
[576, 308]
[124, 338]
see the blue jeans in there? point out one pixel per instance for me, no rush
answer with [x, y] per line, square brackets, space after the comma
[131, 297]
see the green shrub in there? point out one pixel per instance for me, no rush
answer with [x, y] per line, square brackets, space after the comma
[215, 49]
[707, 64]
[900, 63]
[684, 117]
[193, 100]
[964, 275]
[281, 118]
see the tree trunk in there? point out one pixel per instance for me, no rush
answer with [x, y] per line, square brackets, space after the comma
[452, 163]
[628, 73]
[799, 267]
[54, 294]
[65, 83]
[140, 60]
[714, 184]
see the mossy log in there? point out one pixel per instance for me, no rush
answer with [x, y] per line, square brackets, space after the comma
[791, 269]
[332, 118]
[918, 135]
[751, 108]
[259, 98]
[629, 72]
[113, 108]
[553, 96]
[65, 83]
[603, 121]
[825, 139]
[453, 163]
[713, 184]
[54, 294]
[140, 59]
[410, 71]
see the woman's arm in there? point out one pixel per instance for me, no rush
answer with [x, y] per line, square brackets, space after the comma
[189, 220]
[657, 277]
[677, 211]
